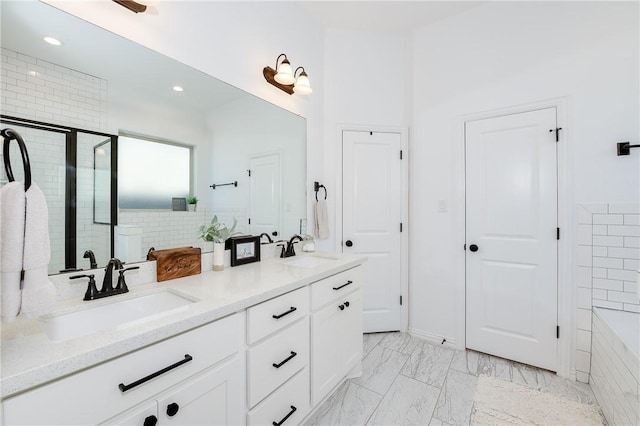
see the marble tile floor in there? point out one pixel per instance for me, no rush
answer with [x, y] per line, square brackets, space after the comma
[407, 381]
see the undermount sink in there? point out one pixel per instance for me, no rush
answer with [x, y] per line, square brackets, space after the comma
[119, 313]
[309, 261]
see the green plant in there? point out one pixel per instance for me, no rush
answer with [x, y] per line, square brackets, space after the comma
[192, 200]
[217, 231]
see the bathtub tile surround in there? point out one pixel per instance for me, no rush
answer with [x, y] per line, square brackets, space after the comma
[615, 365]
[409, 400]
[608, 259]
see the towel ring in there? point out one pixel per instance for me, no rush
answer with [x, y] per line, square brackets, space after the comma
[9, 135]
[316, 187]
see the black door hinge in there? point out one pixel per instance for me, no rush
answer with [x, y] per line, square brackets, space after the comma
[249, 171]
[557, 233]
[401, 154]
[400, 300]
[400, 226]
[557, 331]
[249, 221]
[557, 130]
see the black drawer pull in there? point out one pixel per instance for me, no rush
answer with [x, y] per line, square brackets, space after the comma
[285, 313]
[341, 307]
[150, 421]
[346, 303]
[343, 285]
[293, 410]
[125, 388]
[285, 360]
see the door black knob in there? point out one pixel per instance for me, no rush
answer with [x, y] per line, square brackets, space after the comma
[473, 248]
[150, 421]
[348, 243]
[172, 409]
[274, 233]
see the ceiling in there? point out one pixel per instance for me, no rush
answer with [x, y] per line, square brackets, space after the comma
[391, 17]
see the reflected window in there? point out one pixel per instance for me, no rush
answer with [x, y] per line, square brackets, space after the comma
[151, 173]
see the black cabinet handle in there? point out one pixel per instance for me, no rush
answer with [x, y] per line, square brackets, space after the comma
[341, 307]
[346, 303]
[348, 243]
[473, 248]
[284, 419]
[125, 388]
[285, 313]
[284, 361]
[343, 285]
[172, 409]
[150, 421]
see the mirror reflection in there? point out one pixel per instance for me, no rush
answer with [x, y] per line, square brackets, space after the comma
[101, 85]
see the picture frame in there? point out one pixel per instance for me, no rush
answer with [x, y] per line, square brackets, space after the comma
[179, 204]
[244, 249]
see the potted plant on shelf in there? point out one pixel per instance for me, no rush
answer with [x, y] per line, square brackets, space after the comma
[218, 233]
[192, 202]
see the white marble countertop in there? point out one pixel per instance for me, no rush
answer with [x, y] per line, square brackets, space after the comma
[29, 358]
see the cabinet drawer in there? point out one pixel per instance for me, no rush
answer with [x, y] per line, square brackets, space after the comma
[288, 350]
[272, 315]
[273, 410]
[94, 395]
[335, 286]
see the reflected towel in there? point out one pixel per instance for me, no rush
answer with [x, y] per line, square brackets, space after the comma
[12, 213]
[322, 220]
[38, 293]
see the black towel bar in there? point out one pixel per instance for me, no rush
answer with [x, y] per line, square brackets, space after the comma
[9, 135]
[223, 184]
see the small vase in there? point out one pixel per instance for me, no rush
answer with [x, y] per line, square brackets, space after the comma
[218, 256]
[192, 207]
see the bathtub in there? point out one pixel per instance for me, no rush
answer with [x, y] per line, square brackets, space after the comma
[615, 364]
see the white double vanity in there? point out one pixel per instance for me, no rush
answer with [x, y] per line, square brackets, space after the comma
[259, 344]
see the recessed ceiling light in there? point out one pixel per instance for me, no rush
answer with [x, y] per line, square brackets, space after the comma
[178, 88]
[53, 41]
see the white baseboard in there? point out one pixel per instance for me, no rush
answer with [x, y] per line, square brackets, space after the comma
[434, 338]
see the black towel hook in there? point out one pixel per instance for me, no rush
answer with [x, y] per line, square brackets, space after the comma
[317, 186]
[9, 135]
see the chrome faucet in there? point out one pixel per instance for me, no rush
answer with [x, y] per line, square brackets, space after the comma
[290, 250]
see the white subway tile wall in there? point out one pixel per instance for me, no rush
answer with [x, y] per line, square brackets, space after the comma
[608, 256]
[39, 90]
[615, 376]
[164, 229]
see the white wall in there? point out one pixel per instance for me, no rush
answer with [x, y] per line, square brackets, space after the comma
[509, 54]
[232, 41]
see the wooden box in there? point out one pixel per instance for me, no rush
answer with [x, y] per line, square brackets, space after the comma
[176, 263]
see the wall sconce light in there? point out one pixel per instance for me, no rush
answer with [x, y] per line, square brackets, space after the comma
[285, 79]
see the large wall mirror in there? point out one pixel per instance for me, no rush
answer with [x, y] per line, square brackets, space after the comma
[98, 97]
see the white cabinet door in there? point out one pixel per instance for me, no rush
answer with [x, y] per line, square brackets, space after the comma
[336, 343]
[143, 415]
[213, 398]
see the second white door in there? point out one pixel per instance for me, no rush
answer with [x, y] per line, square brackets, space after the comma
[511, 220]
[265, 190]
[372, 216]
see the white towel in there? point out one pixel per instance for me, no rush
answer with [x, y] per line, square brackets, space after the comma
[322, 220]
[12, 214]
[38, 293]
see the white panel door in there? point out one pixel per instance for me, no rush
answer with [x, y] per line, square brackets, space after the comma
[371, 217]
[511, 226]
[265, 204]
